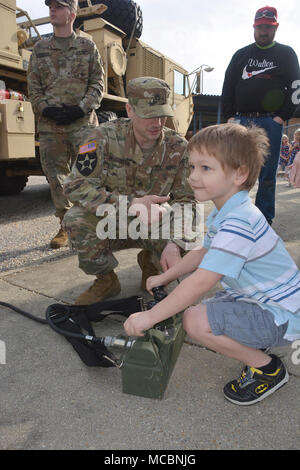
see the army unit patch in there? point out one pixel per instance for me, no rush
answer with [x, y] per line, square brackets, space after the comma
[86, 163]
[87, 158]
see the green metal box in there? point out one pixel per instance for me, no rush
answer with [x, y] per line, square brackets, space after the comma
[148, 365]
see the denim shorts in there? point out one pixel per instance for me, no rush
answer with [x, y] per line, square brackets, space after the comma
[245, 322]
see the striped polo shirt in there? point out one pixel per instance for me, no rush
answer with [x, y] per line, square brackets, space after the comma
[253, 260]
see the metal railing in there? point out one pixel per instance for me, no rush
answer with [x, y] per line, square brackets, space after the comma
[290, 130]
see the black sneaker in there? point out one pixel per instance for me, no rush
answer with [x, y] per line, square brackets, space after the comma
[253, 385]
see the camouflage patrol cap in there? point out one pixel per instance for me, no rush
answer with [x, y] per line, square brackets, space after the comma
[72, 4]
[149, 97]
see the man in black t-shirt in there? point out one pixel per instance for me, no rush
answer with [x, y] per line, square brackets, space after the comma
[258, 90]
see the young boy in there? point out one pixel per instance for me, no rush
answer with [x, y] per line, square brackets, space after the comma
[260, 305]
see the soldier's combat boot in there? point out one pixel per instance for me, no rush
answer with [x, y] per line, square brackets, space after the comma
[60, 240]
[106, 285]
[147, 267]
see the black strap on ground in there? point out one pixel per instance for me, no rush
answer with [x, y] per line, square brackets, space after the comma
[74, 322]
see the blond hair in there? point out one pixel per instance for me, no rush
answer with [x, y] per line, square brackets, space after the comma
[297, 131]
[234, 146]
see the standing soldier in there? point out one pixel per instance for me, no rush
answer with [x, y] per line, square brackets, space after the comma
[65, 82]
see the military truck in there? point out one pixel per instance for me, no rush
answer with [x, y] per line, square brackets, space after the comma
[124, 55]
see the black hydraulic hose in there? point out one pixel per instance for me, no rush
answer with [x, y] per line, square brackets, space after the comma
[50, 322]
[58, 313]
[70, 334]
[22, 312]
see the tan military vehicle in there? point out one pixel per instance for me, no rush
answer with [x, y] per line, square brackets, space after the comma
[125, 57]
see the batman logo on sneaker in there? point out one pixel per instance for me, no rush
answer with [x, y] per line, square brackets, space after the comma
[261, 388]
[254, 385]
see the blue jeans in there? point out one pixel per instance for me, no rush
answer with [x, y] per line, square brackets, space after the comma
[265, 196]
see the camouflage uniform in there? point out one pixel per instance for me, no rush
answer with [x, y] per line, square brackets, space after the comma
[58, 76]
[72, 4]
[111, 163]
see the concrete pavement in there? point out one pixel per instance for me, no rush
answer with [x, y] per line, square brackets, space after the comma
[51, 400]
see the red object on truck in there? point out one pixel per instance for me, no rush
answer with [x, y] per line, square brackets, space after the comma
[11, 95]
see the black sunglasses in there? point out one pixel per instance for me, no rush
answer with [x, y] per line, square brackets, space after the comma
[265, 14]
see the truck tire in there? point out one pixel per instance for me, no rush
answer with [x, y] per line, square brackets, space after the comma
[121, 13]
[10, 185]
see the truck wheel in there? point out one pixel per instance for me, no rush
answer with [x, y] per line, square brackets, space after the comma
[10, 185]
[121, 13]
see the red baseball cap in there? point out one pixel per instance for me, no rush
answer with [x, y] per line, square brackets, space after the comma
[266, 15]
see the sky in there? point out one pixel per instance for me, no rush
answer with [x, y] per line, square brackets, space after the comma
[196, 32]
